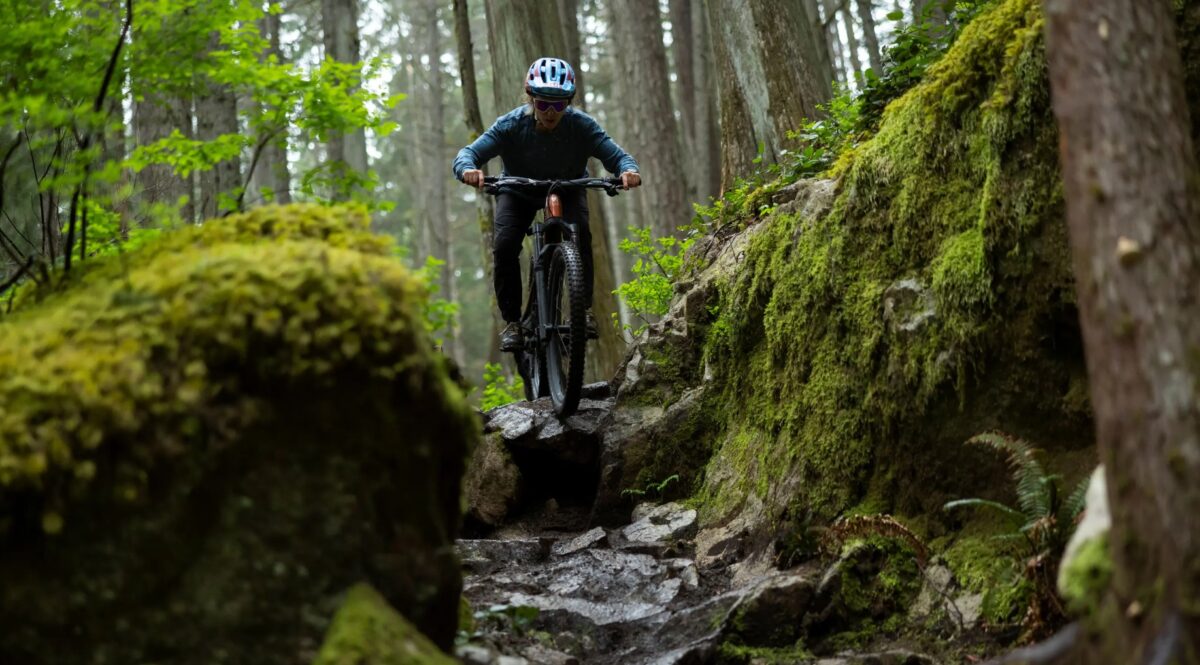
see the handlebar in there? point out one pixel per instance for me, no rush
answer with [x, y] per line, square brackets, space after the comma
[492, 184]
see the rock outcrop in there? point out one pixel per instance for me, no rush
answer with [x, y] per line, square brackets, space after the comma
[205, 442]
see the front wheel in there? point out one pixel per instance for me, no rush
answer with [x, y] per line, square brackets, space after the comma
[567, 342]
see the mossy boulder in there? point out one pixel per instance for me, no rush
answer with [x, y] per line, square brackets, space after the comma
[848, 349]
[368, 631]
[206, 441]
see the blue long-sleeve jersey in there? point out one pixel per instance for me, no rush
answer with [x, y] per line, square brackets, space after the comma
[558, 155]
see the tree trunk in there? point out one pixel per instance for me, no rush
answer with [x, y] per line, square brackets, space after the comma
[866, 15]
[474, 120]
[216, 115]
[1134, 221]
[437, 212]
[769, 51]
[154, 118]
[833, 41]
[707, 140]
[340, 32]
[271, 173]
[852, 46]
[683, 49]
[655, 141]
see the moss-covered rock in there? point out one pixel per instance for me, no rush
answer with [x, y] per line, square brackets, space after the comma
[368, 631]
[825, 395]
[204, 441]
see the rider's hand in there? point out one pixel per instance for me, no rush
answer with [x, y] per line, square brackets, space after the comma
[630, 179]
[473, 177]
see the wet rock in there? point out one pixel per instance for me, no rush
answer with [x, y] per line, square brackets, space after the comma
[773, 614]
[534, 426]
[907, 306]
[485, 556]
[545, 656]
[597, 391]
[492, 485]
[593, 538]
[895, 657]
[666, 522]
[473, 654]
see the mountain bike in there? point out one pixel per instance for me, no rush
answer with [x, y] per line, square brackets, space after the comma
[551, 360]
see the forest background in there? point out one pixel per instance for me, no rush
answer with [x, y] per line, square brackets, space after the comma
[121, 119]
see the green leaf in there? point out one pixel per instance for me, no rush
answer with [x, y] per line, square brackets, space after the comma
[895, 16]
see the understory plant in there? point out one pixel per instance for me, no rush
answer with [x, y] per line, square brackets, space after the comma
[657, 263]
[498, 388]
[1043, 520]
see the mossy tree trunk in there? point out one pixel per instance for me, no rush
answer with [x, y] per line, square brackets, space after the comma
[770, 53]
[1134, 221]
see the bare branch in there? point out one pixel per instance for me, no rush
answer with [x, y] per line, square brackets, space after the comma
[20, 273]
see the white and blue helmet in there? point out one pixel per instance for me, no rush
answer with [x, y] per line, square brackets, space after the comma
[551, 78]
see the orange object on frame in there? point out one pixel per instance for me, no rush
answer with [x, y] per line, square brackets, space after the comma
[554, 206]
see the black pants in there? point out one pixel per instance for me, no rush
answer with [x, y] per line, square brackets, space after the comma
[514, 215]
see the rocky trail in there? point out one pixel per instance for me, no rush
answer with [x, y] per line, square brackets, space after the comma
[549, 581]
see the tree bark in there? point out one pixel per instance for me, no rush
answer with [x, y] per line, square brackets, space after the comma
[154, 118]
[866, 15]
[340, 33]
[683, 50]
[770, 52]
[833, 41]
[1130, 180]
[707, 147]
[272, 172]
[655, 141]
[852, 46]
[474, 119]
[216, 115]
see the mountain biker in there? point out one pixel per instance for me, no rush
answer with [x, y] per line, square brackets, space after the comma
[543, 139]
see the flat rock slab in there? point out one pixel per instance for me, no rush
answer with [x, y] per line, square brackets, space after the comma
[594, 538]
[534, 426]
[663, 523]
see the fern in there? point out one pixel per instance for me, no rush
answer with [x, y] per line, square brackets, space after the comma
[860, 526]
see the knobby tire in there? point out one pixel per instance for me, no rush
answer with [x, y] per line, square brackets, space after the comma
[564, 353]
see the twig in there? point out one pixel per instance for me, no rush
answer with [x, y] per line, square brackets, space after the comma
[258, 149]
[13, 224]
[86, 140]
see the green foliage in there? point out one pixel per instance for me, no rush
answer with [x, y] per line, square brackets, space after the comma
[821, 142]
[499, 389]
[1044, 520]
[652, 489]
[1045, 517]
[50, 104]
[914, 48]
[657, 264]
[140, 355]
[440, 313]
[958, 191]
[368, 630]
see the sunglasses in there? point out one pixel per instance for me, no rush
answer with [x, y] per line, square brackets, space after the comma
[546, 105]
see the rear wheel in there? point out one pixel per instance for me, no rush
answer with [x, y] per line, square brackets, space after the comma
[567, 341]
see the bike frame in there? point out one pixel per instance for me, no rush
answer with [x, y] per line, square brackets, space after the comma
[552, 219]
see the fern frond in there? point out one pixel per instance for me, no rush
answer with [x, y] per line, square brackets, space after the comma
[1075, 501]
[1015, 515]
[1027, 471]
[860, 526]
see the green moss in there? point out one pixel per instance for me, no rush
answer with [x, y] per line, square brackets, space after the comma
[1087, 575]
[986, 560]
[730, 653]
[141, 355]
[960, 191]
[367, 631]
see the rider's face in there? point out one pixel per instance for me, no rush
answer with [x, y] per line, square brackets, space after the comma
[548, 112]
